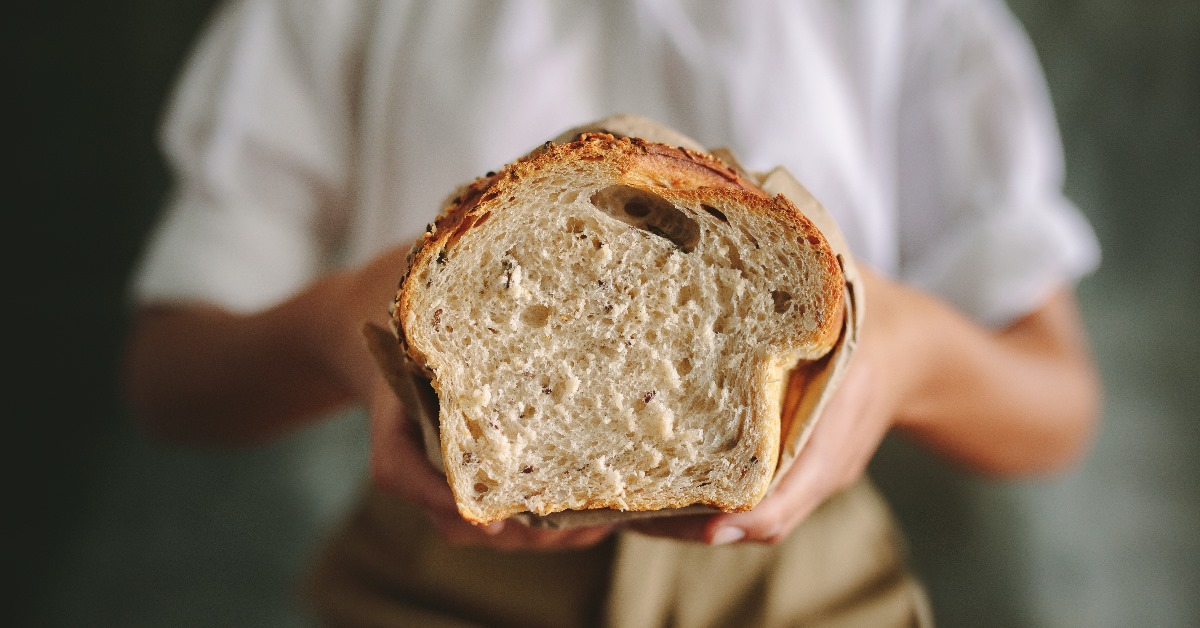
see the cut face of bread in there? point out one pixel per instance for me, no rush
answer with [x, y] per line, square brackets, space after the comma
[609, 323]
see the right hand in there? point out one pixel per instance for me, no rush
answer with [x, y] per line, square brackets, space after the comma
[399, 467]
[398, 463]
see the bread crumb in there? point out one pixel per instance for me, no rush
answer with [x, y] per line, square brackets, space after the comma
[480, 397]
[667, 371]
[656, 456]
[664, 418]
[513, 283]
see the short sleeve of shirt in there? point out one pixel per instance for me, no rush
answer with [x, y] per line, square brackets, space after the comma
[983, 219]
[257, 140]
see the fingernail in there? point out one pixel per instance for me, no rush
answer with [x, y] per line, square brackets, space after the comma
[727, 535]
[494, 528]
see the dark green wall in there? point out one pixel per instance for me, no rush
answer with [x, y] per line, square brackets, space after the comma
[88, 81]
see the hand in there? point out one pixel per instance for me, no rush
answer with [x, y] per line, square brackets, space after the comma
[399, 465]
[843, 441]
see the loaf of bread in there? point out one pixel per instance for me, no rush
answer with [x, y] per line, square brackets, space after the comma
[609, 323]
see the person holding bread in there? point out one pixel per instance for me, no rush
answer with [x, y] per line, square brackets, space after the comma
[313, 143]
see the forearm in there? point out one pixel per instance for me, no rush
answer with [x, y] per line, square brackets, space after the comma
[201, 374]
[1020, 400]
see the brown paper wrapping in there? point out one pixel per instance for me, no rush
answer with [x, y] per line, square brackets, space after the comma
[810, 384]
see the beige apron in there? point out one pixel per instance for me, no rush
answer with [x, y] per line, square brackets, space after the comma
[844, 566]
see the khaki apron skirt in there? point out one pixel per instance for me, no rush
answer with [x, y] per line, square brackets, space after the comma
[844, 566]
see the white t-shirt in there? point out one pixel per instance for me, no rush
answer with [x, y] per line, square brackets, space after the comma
[305, 135]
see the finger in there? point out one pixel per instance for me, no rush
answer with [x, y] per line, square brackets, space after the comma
[696, 528]
[832, 459]
[792, 500]
[514, 536]
[398, 465]
[573, 538]
[457, 531]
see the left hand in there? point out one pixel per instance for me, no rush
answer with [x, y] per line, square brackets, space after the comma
[843, 441]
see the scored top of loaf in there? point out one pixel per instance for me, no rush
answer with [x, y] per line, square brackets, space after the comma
[487, 443]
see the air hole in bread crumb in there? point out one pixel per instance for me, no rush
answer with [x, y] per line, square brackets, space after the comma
[782, 300]
[649, 212]
[637, 208]
[687, 293]
[715, 213]
[535, 315]
[683, 367]
[481, 488]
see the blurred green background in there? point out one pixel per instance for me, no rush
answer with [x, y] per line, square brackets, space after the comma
[107, 529]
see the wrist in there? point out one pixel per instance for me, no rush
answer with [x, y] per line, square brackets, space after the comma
[341, 304]
[901, 336]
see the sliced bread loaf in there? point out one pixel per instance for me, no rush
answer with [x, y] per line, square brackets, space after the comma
[609, 323]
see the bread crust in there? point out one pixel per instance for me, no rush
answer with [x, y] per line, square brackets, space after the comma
[680, 175]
